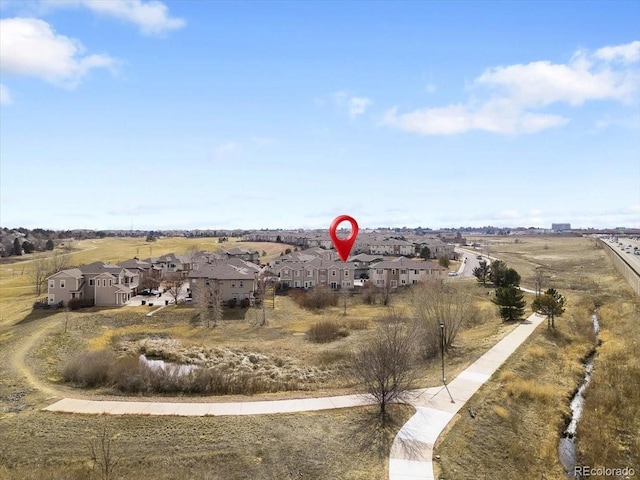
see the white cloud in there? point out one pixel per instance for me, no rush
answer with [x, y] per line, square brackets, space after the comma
[355, 106]
[29, 46]
[628, 53]
[510, 96]
[5, 96]
[152, 17]
[358, 105]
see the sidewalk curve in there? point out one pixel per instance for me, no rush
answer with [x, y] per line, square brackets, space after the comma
[411, 455]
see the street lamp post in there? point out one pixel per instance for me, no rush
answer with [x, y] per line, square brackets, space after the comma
[444, 379]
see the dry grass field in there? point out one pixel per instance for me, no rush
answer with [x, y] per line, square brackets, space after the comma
[520, 412]
[339, 444]
[523, 409]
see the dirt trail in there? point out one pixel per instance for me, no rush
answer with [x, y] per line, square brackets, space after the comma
[22, 340]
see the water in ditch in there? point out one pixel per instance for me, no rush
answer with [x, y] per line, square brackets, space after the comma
[175, 368]
[567, 446]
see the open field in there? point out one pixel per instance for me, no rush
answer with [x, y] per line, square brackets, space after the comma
[522, 410]
[520, 413]
[17, 292]
[338, 444]
[36, 345]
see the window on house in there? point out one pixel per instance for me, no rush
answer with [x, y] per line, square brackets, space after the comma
[241, 284]
[233, 284]
[393, 271]
[52, 283]
[110, 282]
[104, 282]
[62, 283]
[416, 272]
[379, 271]
[394, 284]
[285, 272]
[346, 273]
[296, 273]
[310, 273]
[333, 273]
[403, 272]
[404, 281]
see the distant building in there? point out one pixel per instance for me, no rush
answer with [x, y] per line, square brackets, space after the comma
[560, 227]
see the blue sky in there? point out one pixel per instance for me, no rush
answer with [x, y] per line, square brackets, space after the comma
[212, 114]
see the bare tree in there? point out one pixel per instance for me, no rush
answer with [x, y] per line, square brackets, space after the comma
[387, 365]
[40, 273]
[541, 280]
[174, 282]
[101, 450]
[265, 283]
[439, 302]
[207, 297]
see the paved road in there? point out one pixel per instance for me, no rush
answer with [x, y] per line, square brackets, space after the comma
[631, 258]
[412, 449]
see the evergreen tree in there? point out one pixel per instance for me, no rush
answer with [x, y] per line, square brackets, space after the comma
[511, 302]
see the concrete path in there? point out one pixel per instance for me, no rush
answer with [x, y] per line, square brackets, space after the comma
[189, 409]
[412, 450]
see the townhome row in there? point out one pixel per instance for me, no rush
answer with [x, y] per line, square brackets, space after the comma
[312, 267]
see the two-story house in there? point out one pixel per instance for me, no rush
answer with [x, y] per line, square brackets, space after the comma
[308, 274]
[231, 279]
[391, 246]
[401, 272]
[105, 284]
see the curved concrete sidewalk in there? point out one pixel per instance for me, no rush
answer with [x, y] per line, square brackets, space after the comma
[412, 450]
[109, 407]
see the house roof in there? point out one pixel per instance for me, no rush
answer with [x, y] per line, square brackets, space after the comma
[402, 262]
[230, 269]
[135, 263]
[72, 272]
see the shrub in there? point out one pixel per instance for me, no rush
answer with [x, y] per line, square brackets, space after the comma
[231, 303]
[245, 302]
[358, 324]
[78, 303]
[326, 331]
[316, 298]
[89, 369]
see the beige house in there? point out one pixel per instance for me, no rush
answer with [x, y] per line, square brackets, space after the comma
[106, 285]
[401, 272]
[391, 246]
[232, 279]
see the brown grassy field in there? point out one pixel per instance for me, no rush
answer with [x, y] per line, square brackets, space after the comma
[522, 410]
[323, 445]
[337, 444]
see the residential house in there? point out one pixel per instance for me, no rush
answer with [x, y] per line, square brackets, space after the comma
[437, 247]
[232, 279]
[308, 274]
[362, 262]
[243, 254]
[105, 284]
[65, 285]
[401, 272]
[172, 263]
[391, 246]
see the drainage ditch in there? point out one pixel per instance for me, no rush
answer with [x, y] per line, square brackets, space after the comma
[567, 446]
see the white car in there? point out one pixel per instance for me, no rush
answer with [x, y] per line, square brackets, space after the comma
[453, 274]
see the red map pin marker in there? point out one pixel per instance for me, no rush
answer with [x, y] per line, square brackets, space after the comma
[343, 245]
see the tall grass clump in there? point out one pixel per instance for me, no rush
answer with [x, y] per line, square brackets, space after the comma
[326, 331]
[89, 369]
